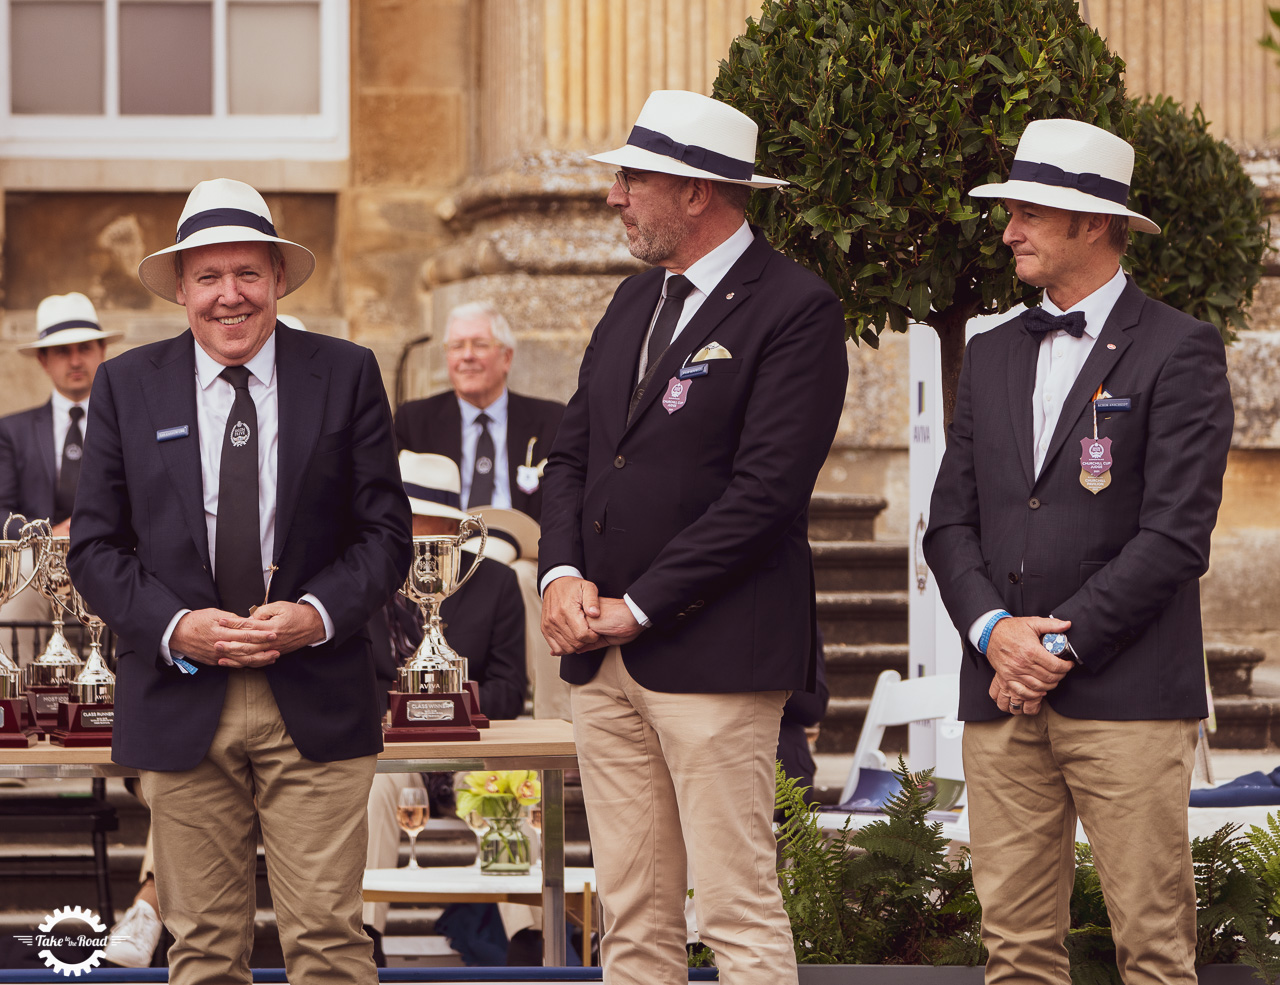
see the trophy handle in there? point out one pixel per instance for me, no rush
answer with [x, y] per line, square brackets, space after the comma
[31, 534]
[466, 528]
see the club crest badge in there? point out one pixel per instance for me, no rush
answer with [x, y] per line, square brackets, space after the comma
[73, 452]
[1095, 457]
[240, 434]
[484, 464]
[677, 393]
[527, 479]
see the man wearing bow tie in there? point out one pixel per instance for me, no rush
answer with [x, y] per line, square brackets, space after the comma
[1069, 526]
[675, 557]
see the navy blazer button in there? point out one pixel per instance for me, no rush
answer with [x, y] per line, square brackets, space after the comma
[619, 462]
[1013, 577]
[599, 527]
[1033, 503]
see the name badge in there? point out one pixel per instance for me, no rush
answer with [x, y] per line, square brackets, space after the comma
[697, 369]
[169, 434]
[1106, 405]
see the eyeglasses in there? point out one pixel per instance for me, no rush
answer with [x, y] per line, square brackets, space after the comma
[481, 347]
[624, 178]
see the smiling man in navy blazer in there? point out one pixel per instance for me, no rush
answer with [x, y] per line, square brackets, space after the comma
[243, 460]
[1068, 529]
[677, 577]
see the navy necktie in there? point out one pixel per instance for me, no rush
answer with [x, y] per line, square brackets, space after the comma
[481, 492]
[1040, 322]
[69, 475]
[237, 563]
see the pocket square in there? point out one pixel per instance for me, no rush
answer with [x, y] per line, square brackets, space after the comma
[712, 350]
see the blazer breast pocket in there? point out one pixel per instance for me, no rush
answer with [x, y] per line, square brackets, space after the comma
[334, 441]
[721, 367]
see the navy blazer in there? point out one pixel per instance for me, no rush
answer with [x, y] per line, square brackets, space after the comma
[28, 472]
[1122, 565]
[434, 425]
[140, 550]
[701, 515]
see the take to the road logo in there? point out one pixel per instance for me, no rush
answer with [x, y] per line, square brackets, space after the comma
[72, 940]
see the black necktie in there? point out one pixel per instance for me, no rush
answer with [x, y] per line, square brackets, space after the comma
[664, 327]
[69, 476]
[1039, 322]
[238, 537]
[481, 493]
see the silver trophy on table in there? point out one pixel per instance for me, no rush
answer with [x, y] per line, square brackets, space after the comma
[12, 732]
[50, 675]
[86, 717]
[435, 700]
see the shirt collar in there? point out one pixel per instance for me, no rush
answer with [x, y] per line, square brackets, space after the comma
[62, 406]
[1096, 307]
[262, 365]
[708, 270]
[497, 410]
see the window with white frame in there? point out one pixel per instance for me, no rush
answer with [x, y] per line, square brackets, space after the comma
[174, 79]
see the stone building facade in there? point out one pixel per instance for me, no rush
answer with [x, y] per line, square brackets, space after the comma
[433, 151]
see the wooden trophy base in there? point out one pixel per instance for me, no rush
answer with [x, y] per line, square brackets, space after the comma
[12, 734]
[83, 725]
[430, 718]
[478, 718]
[43, 706]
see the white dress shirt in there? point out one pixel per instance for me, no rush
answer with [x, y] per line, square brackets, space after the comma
[497, 412]
[1058, 363]
[214, 399]
[704, 274]
[62, 424]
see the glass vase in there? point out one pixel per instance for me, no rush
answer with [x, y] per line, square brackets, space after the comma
[504, 847]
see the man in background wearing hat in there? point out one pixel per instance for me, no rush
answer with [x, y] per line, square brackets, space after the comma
[500, 441]
[484, 621]
[1069, 524]
[677, 579]
[240, 518]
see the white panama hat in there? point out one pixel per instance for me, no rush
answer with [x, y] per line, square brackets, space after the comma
[223, 210]
[693, 136]
[1068, 164]
[292, 321]
[432, 484]
[66, 319]
[512, 534]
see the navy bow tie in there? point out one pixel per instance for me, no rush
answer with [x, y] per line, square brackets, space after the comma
[1040, 322]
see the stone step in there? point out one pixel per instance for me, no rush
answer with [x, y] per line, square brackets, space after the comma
[852, 668]
[844, 516]
[1246, 723]
[862, 617]
[859, 565]
[1231, 668]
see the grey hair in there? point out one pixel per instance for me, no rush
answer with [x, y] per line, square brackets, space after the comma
[499, 327]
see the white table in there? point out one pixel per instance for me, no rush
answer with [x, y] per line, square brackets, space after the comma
[467, 884]
[544, 744]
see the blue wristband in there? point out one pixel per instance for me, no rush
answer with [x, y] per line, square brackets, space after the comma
[985, 638]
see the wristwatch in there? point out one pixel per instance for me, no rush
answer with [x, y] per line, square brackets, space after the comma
[1057, 644]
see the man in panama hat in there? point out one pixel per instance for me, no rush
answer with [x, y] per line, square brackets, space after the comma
[240, 518]
[1069, 526]
[677, 580]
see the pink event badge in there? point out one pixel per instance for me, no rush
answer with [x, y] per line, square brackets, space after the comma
[1095, 457]
[677, 393]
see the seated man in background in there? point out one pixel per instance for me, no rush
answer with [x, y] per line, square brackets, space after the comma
[484, 622]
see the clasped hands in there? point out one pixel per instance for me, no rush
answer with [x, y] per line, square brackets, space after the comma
[224, 639]
[575, 618]
[1025, 670]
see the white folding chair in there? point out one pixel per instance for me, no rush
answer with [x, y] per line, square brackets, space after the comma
[898, 702]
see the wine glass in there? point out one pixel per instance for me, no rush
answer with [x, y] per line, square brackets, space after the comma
[478, 824]
[411, 815]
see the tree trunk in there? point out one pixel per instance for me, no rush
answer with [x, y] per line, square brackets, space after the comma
[949, 325]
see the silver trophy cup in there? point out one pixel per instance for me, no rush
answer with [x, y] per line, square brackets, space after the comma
[11, 583]
[57, 665]
[435, 667]
[93, 683]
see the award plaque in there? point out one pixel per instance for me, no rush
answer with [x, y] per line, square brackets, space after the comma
[432, 703]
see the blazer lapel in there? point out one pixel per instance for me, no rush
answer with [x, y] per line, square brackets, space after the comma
[450, 436]
[1110, 345]
[519, 431]
[725, 297]
[1022, 384]
[171, 402]
[302, 385]
[624, 347]
[42, 440]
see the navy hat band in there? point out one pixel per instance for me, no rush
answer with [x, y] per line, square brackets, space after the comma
[62, 326]
[1091, 184]
[434, 495]
[702, 158]
[225, 217]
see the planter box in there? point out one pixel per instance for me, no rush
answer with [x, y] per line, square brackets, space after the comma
[902, 974]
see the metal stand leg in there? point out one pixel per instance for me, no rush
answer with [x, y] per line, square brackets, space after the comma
[553, 949]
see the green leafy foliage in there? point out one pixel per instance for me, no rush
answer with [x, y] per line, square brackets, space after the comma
[886, 894]
[1208, 260]
[1090, 947]
[1232, 920]
[883, 116]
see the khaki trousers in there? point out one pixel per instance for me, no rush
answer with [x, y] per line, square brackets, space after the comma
[668, 774]
[313, 824]
[1028, 777]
